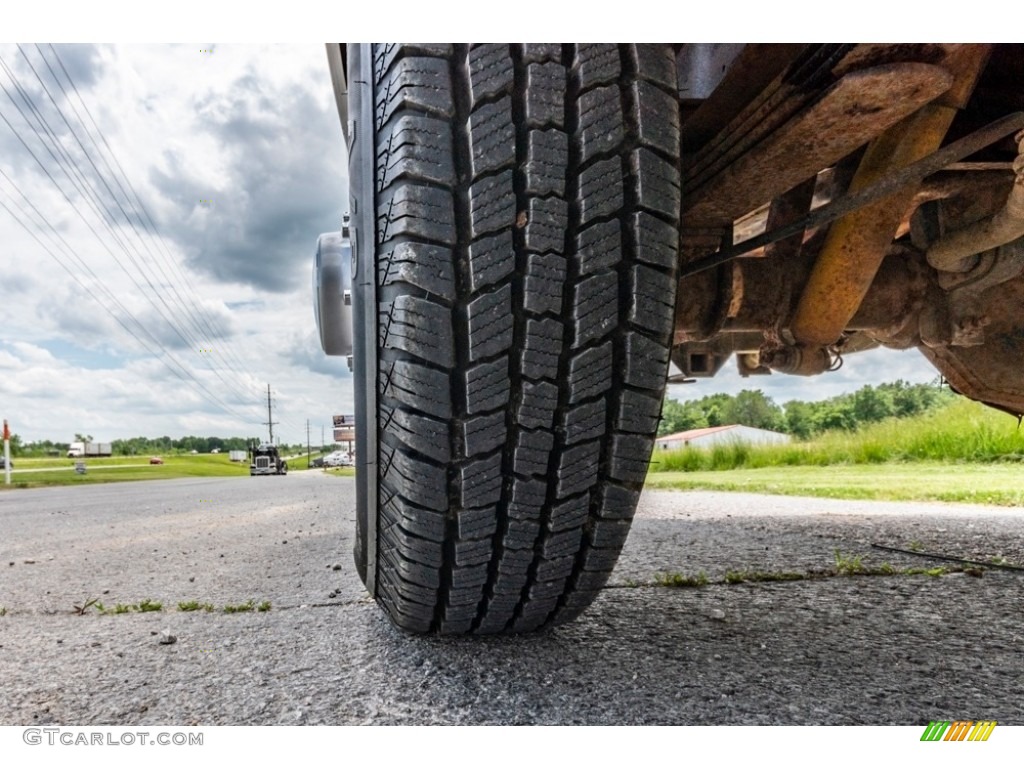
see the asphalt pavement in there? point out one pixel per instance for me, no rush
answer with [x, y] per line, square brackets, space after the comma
[835, 649]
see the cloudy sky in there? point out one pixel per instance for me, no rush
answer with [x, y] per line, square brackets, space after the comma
[161, 278]
[170, 315]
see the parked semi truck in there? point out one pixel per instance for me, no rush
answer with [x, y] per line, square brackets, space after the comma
[79, 449]
[537, 231]
[266, 460]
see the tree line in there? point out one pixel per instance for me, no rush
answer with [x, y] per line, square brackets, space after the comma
[138, 446]
[800, 418]
[751, 408]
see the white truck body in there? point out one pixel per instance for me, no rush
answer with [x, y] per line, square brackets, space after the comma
[78, 450]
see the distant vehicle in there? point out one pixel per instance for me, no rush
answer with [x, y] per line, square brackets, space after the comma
[267, 461]
[193, 451]
[317, 462]
[3, 464]
[338, 459]
[78, 450]
[215, 450]
[237, 455]
[156, 460]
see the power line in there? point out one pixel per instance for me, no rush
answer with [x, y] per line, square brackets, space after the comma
[99, 175]
[90, 196]
[148, 223]
[216, 400]
[86, 191]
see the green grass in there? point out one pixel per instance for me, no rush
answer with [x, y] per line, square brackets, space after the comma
[998, 484]
[960, 432]
[302, 463]
[964, 452]
[749, 577]
[195, 605]
[143, 606]
[846, 565]
[340, 471]
[150, 606]
[121, 469]
[680, 580]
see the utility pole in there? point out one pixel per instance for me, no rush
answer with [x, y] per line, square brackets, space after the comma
[321, 438]
[270, 419]
[307, 443]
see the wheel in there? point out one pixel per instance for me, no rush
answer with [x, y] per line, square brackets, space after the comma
[284, 468]
[517, 249]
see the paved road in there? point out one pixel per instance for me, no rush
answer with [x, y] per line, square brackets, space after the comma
[840, 650]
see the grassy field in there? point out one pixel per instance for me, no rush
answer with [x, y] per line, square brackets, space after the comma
[341, 471]
[964, 452]
[31, 473]
[300, 463]
[1001, 484]
[961, 432]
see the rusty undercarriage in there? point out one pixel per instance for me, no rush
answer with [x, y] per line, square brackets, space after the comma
[838, 198]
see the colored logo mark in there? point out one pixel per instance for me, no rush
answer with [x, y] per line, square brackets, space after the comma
[958, 730]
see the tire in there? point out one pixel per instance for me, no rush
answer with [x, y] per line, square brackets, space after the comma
[526, 203]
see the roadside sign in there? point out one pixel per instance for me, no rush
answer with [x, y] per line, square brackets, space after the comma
[344, 428]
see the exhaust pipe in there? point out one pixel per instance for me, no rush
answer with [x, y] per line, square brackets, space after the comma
[956, 251]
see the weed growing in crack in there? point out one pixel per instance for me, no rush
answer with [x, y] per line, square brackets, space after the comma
[848, 565]
[241, 607]
[80, 610]
[741, 577]
[144, 606]
[677, 579]
[195, 605]
[845, 566]
[938, 571]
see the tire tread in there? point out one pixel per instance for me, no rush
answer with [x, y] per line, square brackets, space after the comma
[527, 204]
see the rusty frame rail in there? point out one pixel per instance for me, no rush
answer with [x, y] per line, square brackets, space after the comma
[910, 174]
